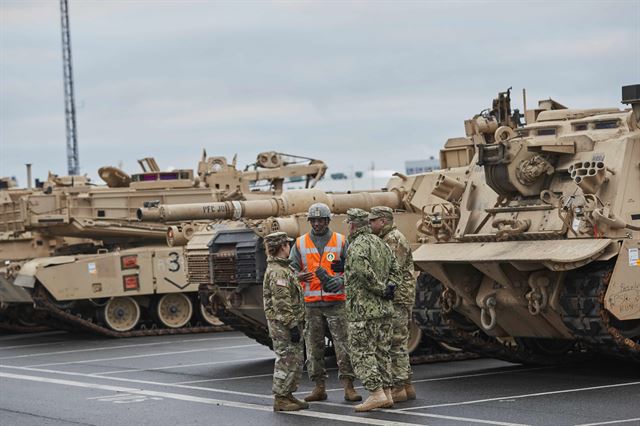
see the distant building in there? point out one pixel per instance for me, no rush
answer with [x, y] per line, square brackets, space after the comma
[413, 167]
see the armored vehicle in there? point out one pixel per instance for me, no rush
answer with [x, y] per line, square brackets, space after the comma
[532, 253]
[528, 235]
[223, 241]
[133, 285]
[225, 256]
[18, 245]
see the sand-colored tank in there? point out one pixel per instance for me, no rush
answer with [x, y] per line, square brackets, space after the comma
[532, 253]
[223, 240]
[18, 245]
[225, 257]
[134, 285]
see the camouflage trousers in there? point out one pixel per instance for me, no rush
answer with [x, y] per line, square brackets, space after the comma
[289, 359]
[336, 316]
[370, 343]
[400, 367]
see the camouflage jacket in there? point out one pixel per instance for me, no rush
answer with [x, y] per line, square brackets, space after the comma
[282, 294]
[370, 265]
[406, 291]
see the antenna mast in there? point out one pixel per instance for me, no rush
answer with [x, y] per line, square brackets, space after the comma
[73, 161]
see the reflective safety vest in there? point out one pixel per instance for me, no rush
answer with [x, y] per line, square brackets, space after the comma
[311, 259]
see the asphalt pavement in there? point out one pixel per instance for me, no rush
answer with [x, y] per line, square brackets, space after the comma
[58, 378]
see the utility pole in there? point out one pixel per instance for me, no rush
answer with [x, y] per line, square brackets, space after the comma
[73, 161]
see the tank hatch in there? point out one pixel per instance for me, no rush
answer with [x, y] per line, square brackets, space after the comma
[181, 178]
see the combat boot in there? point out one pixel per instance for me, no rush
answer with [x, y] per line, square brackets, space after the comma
[376, 399]
[399, 394]
[350, 393]
[319, 393]
[387, 393]
[410, 391]
[282, 403]
[303, 405]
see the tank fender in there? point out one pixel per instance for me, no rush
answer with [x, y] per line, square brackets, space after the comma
[622, 298]
[563, 254]
[27, 275]
[9, 293]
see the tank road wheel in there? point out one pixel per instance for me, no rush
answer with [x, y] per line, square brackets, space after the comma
[174, 310]
[121, 313]
[208, 318]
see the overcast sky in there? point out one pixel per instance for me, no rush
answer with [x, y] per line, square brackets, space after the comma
[348, 82]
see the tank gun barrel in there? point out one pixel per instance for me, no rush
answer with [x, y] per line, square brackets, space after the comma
[291, 202]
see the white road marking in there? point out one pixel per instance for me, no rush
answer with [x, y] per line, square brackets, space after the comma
[460, 419]
[255, 376]
[478, 401]
[462, 376]
[201, 400]
[146, 382]
[223, 379]
[263, 396]
[119, 394]
[86, 361]
[123, 398]
[434, 416]
[613, 422]
[169, 367]
[350, 419]
[106, 348]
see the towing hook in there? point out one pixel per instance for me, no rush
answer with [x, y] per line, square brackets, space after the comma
[488, 313]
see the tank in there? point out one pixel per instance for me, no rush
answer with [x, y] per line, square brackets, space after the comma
[121, 293]
[531, 254]
[133, 284]
[18, 245]
[527, 240]
[225, 256]
[223, 250]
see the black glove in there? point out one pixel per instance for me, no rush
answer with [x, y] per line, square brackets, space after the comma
[323, 275]
[337, 265]
[333, 286]
[389, 292]
[295, 334]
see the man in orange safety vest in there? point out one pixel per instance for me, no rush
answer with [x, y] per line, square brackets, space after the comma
[317, 257]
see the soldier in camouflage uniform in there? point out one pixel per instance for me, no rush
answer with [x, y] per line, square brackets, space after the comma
[284, 309]
[371, 274]
[381, 222]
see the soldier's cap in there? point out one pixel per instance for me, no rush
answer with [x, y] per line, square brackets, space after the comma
[381, 212]
[276, 239]
[357, 216]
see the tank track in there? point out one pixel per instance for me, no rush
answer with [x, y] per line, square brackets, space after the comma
[10, 327]
[257, 332]
[453, 329]
[66, 320]
[431, 351]
[14, 319]
[585, 315]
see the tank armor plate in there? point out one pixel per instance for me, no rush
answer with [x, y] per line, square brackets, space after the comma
[557, 251]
